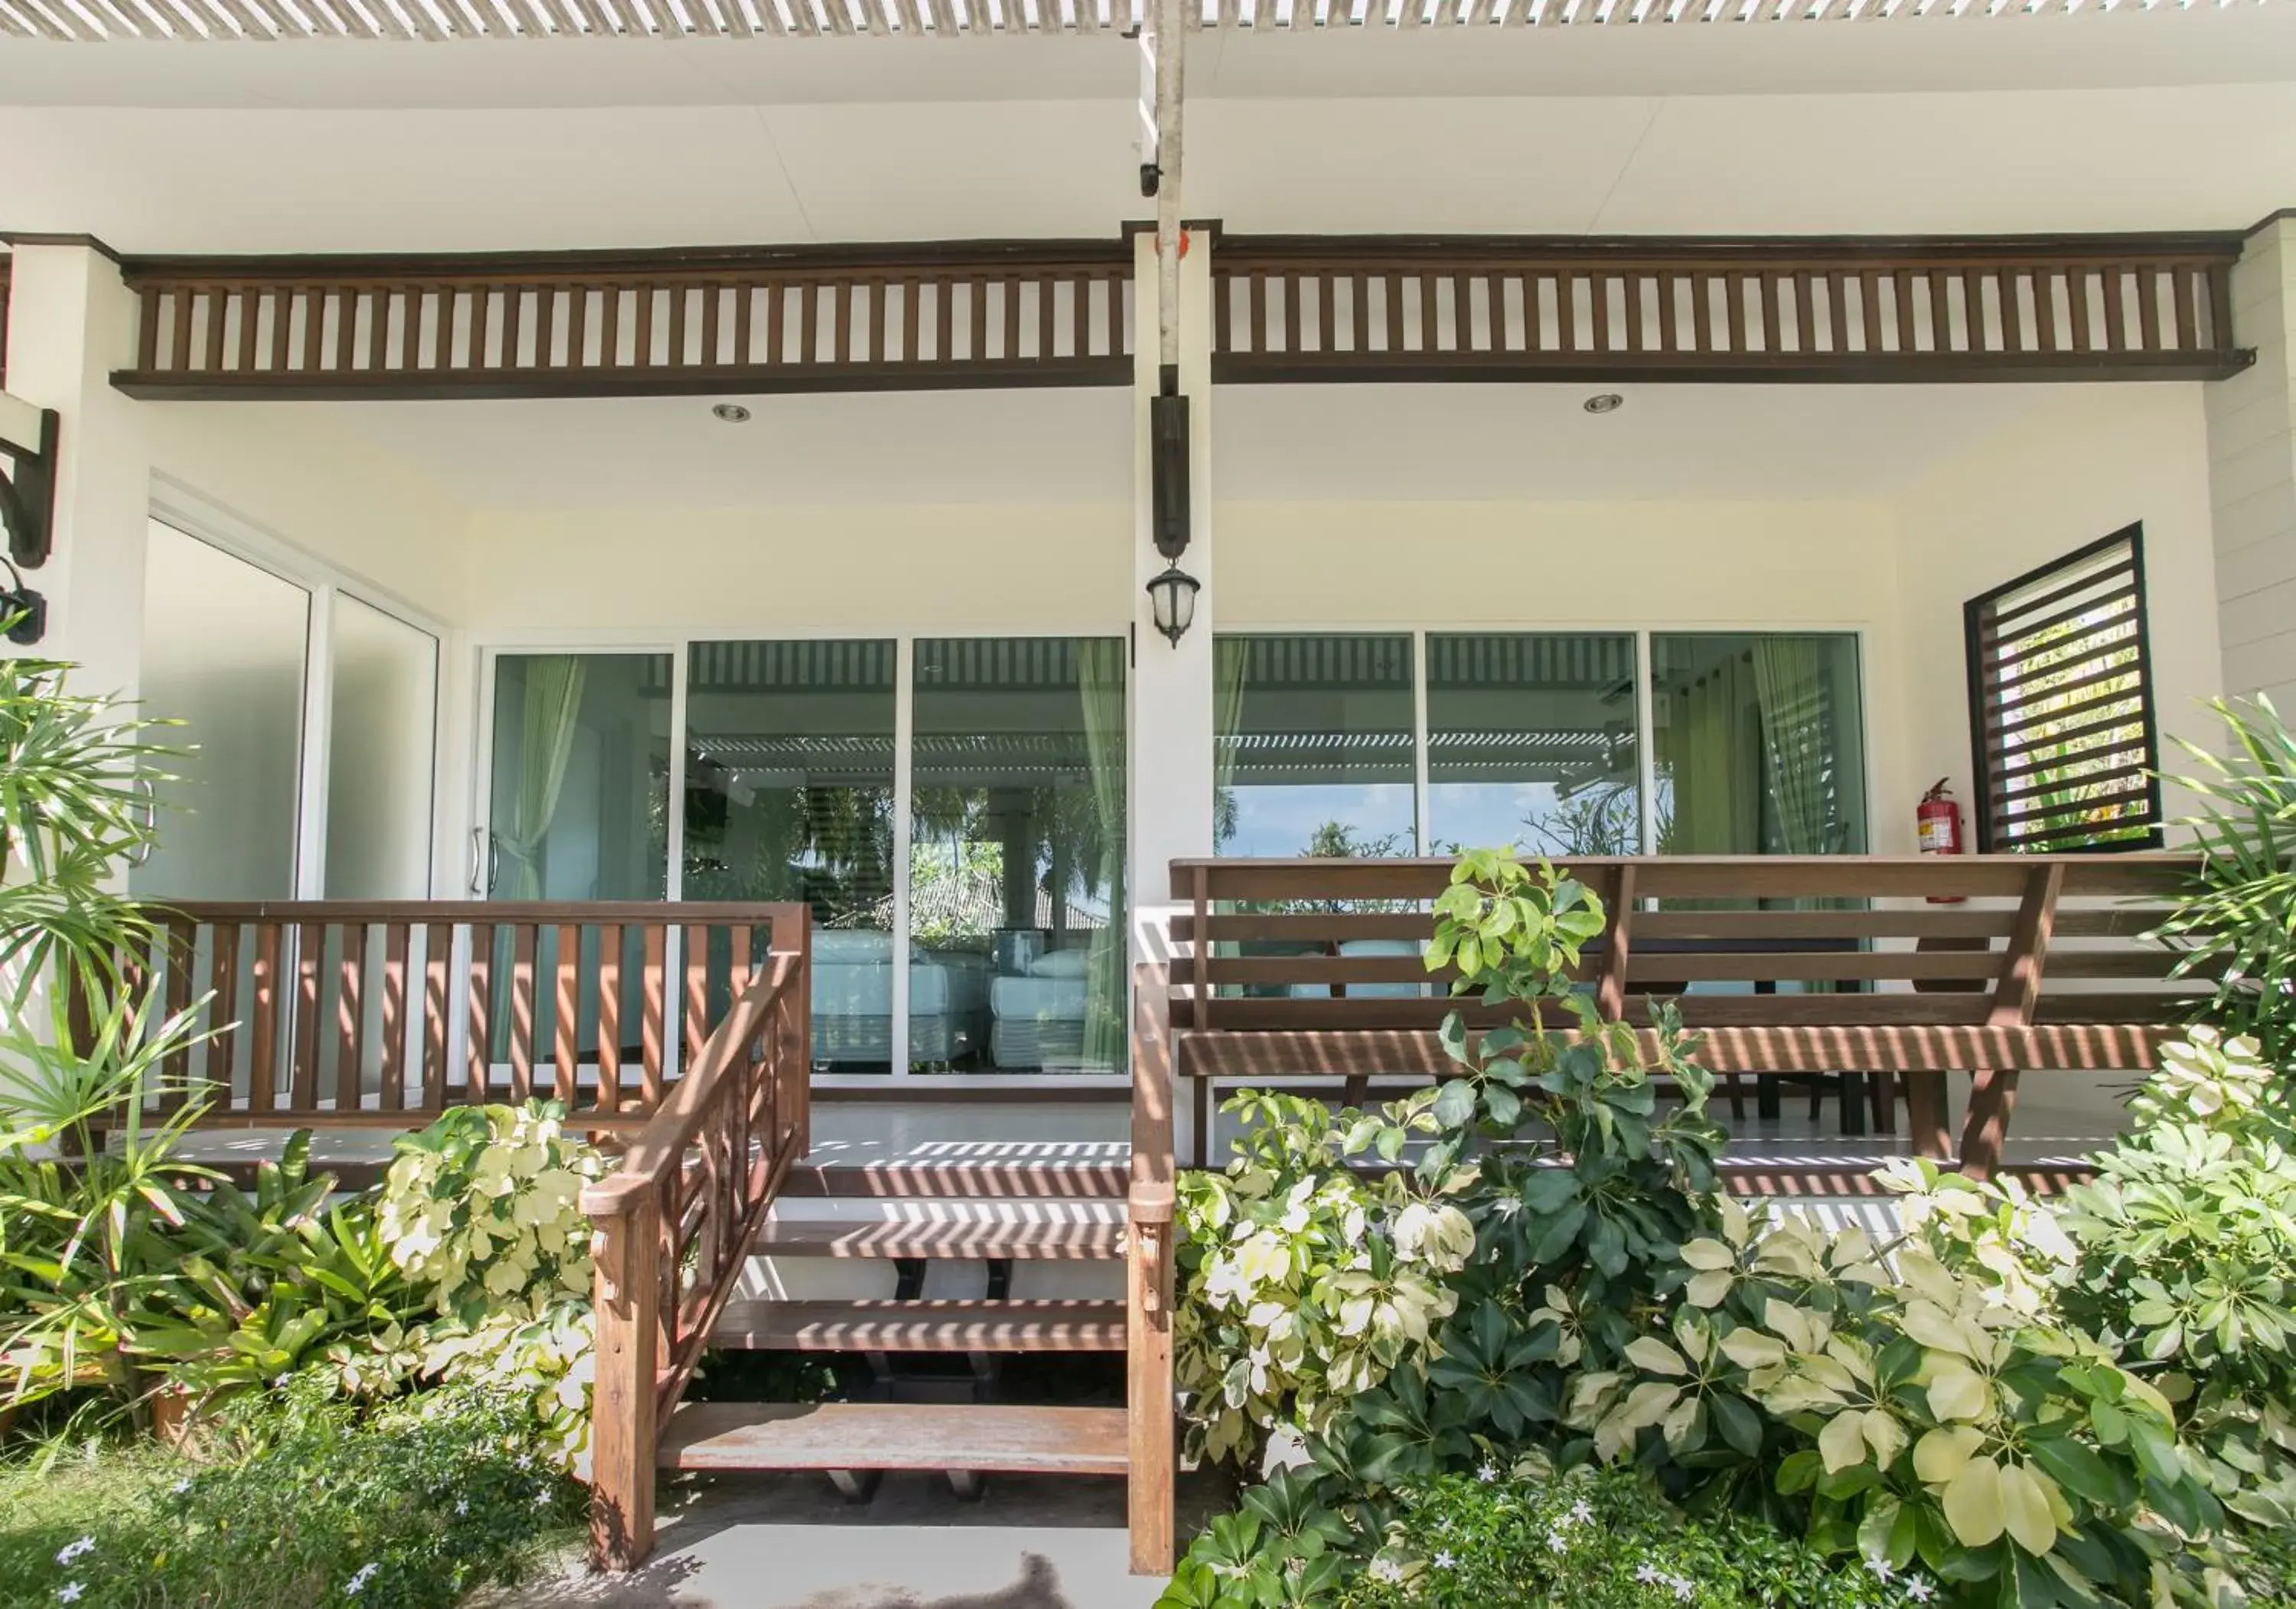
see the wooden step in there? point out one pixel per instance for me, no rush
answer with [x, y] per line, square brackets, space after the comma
[875, 1435]
[1018, 1180]
[941, 1326]
[976, 1240]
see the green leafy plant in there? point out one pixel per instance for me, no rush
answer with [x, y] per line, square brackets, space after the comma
[2238, 922]
[1606, 1541]
[481, 1211]
[297, 1498]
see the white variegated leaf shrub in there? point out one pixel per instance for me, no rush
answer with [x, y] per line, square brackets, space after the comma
[482, 1210]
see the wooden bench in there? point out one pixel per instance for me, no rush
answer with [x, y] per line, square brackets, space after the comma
[2041, 963]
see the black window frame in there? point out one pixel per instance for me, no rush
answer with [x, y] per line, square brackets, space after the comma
[1988, 759]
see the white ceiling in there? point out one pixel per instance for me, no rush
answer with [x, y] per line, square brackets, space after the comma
[1273, 443]
[2090, 121]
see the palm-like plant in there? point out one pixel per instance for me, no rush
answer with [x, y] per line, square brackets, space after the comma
[2239, 920]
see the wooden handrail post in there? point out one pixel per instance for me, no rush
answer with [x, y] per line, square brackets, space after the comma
[622, 1428]
[1993, 1090]
[1148, 1277]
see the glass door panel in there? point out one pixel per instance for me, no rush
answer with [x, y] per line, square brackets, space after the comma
[1758, 743]
[789, 796]
[379, 740]
[579, 799]
[580, 777]
[1016, 866]
[1530, 742]
[225, 649]
[1312, 746]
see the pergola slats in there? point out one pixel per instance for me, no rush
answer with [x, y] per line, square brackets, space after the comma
[438, 22]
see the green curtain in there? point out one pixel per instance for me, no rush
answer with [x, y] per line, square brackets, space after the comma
[1229, 657]
[1100, 684]
[553, 699]
[1718, 806]
[1797, 739]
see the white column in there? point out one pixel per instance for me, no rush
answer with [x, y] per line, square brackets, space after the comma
[2252, 420]
[1171, 782]
[70, 324]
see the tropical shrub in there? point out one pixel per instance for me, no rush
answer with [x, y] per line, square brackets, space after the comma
[2235, 922]
[297, 1499]
[482, 1210]
[1302, 1284]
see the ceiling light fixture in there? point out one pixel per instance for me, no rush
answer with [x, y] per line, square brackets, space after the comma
[1604, 402]
[732, 413]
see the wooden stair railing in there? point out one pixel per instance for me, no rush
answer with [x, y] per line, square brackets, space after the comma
[1148, 1280]
[674, 1226]
[1907, 966]
[382, 1014]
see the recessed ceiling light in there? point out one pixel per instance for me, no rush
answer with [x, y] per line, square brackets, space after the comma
[1604, 402]
[734, 413]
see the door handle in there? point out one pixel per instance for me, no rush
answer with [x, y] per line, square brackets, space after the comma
[482, 862]
[151, 822]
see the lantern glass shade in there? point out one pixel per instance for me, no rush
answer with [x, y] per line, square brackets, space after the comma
[1172, 596]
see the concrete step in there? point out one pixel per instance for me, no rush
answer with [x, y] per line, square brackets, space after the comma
[898, 1436]
[961, 1180]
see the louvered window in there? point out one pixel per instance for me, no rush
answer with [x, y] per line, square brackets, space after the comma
[2060, 705]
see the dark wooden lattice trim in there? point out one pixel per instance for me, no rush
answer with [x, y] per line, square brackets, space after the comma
[1298, 308]
[2068, 731]
[684, 323]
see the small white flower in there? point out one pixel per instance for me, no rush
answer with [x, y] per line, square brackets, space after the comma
[1682, 1588]
[542, 1494]
[68, 1593]
[280, 1383]
[462, 1506]
[352, 1587]
[1443, 1560]
[76, 1550]
[1581, 1512]
[1649, 1574]
[1918, 1590]
[1556, 1543]
[1487, 1474]
[182, 1486]
[1387, 1571]
[1881, 1569]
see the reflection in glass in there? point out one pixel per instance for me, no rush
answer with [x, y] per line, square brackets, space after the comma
[1312, 747]
[1758, 742]
[581, 776]
[789, 796]
[224, 652]
[384, 709]
[1016, 866]
[1530, 742]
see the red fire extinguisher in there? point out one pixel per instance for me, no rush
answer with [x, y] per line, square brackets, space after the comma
[1936, 820]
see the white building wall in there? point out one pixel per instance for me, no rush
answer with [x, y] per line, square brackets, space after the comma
[2096, 459]
[2251, 442]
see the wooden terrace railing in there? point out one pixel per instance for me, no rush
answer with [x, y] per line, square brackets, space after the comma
[1905, 967]
[383, 1014]
[675, 1227]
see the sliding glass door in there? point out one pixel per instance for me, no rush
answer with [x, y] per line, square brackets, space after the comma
[951, 810]
[1760, 747]
[578, 784]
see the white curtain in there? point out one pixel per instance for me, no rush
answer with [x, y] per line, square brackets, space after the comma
[1100, 682]
[1229, 657]
[553, 699]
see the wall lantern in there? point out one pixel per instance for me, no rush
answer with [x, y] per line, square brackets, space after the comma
[24, 612]
[1172, 596]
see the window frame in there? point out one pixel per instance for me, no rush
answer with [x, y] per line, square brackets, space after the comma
[1986, 757]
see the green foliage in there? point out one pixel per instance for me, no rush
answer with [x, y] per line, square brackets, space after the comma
[2238, 921]
[75, 786]
[87, 1231]
[1599, 1541]
[298, 1500]
[482, 1210]
[1302, 1284]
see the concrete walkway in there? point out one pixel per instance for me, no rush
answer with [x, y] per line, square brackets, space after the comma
[776, 1541]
